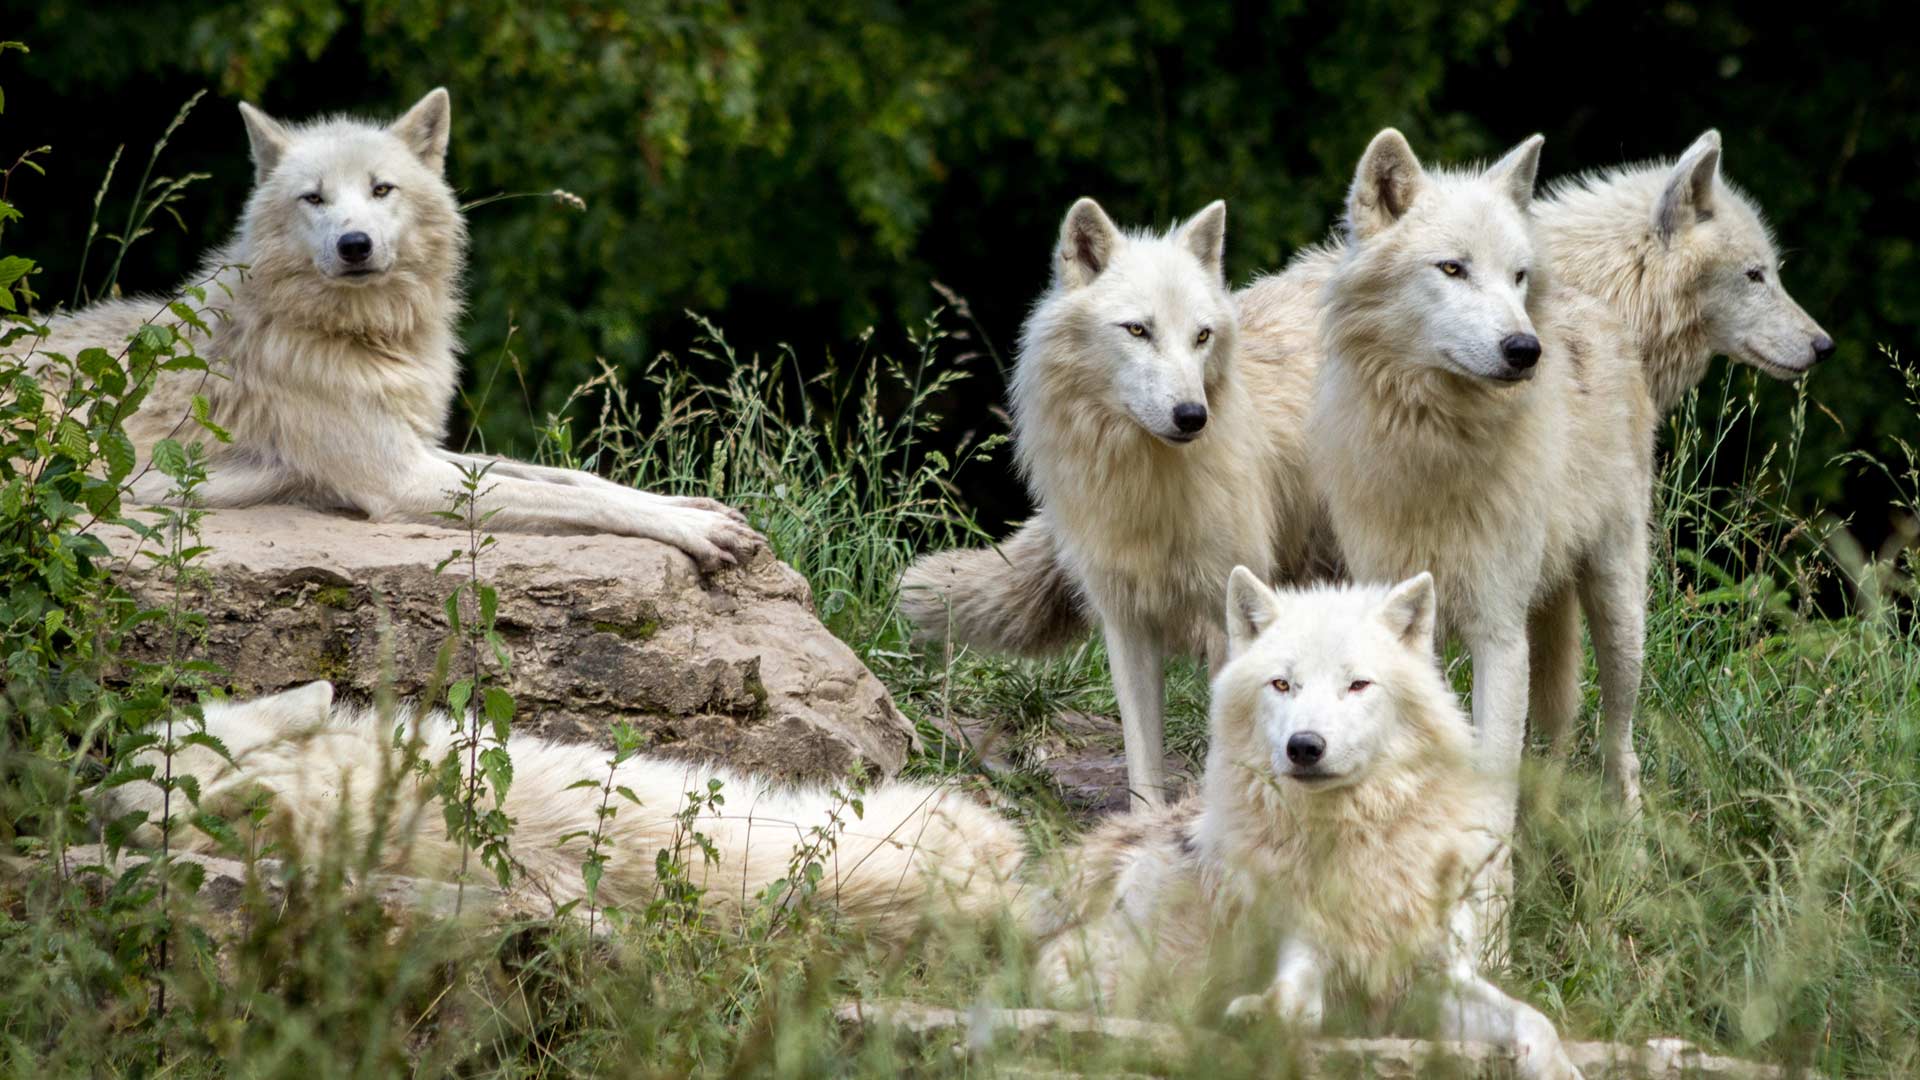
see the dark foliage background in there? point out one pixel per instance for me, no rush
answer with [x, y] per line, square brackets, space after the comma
[801, 170]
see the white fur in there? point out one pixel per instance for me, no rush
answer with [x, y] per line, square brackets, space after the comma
[1511, 492]
[1148, 518]
[1357, 874]
[914, 849]
[336, 383]
[1669, 247]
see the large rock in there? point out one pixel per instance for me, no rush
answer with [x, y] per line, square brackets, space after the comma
[602, 628]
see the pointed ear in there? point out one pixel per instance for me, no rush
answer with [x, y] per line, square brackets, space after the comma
[1205, 234]
[1385, 185]
[424, 128]
[1409, 611]
[307, 705]
[1088, 239]
[1515, 172]
[266, 138]
[1687, 197]
[1252, 607]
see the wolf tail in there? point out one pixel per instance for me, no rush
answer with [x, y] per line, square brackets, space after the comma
[1013, 598]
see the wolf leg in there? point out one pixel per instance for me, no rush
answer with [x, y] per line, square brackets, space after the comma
[1553, 695]
[1500, 674]
[1297, 994]
[502, 466]
[1615, 596]
[425, 485]
[1138, 659]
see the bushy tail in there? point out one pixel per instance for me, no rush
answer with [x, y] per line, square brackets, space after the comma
[1013, 598]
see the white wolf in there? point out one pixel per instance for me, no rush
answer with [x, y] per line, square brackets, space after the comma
[334, 349]
[1673, 250]
[1139, 435]
[1439, 441]
[1338, 835]
[1686, 259]
[913, 850]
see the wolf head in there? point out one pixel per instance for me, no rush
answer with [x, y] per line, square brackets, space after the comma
[1720, 248]
[1332, 689]
[339, 204]
[240, 726]
[1143, 323]
[1440, 265]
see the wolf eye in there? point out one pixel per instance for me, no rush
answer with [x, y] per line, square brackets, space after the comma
[1452, 267]
[1206, 333]
[1520, 277]
[1358, 685]
[312, 198]
[1283, 686]
[1134, 328]
[382, 190]
[1756, 275]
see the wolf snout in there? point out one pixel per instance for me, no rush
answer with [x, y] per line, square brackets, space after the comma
[1190, 417]
[1823, 347]
[354, 248]
[1305, 748]
[1521, 351]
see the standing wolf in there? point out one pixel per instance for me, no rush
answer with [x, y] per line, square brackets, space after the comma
[1139, 437]
[333, 311]
[1338, 834]
[913, 849]
[1672, 250]
[1438, 439]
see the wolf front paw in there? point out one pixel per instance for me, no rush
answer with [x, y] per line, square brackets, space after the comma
[714, 540]
[701, 502]
[1623, 776]
[1291, 1007]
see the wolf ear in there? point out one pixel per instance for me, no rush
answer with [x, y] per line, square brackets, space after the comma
[306, 705]
[1384, 186]
[424, 128]
[1687, 197]
[266, 138]
[1409, 611]
[1088, 238]
[1205, 234]
[1516, 171]
[1252, 607]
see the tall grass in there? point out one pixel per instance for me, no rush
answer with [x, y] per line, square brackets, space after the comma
[1766, 903]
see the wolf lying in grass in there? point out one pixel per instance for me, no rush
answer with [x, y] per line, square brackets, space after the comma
[1339, 821]
[910, 849]
[333, 360]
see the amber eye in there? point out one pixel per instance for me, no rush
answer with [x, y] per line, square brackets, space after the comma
[1452, 267]
[1205, 335]
[1756, 275]
[1135, 329]
[312, 198]
[381, 191]
[1283, 686]
[1358, 685]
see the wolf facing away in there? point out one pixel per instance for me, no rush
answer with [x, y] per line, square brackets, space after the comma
[333, 313]
[1340, 829]
[914, 849]
[1472, 418]
[1138, 435]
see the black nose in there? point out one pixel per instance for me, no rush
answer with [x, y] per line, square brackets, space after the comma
[1521, 350]
[1822, 348]
[1189, 416]
[1305, 748]
[354, 247]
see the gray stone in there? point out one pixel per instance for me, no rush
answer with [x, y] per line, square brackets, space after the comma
[732, 666]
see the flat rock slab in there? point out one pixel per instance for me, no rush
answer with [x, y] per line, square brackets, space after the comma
[731, 666]
[1385, 1059]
